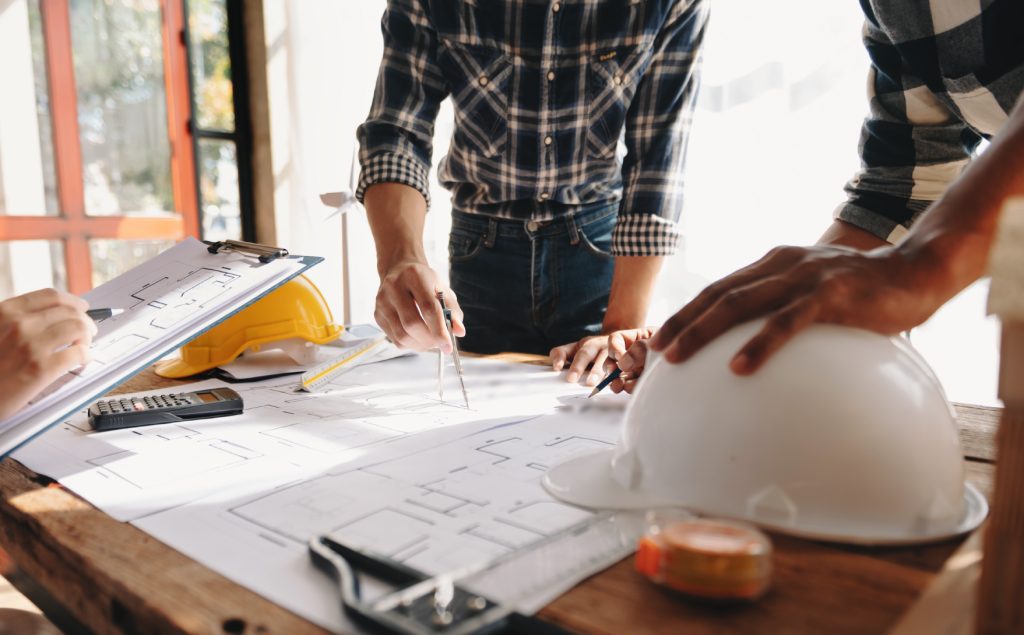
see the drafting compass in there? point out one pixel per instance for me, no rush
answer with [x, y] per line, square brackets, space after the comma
[455, 354]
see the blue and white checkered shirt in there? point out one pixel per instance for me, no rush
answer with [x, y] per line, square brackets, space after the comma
[944, 75]
[543, 90]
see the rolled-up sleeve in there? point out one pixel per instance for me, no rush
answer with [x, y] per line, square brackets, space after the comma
[396, 140]
[912, 146]
[656, 131]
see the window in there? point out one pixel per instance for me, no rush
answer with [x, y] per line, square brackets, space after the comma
[101, 165]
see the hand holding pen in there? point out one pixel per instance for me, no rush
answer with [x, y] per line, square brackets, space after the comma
[625, 367]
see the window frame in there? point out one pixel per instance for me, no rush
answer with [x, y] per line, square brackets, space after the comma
[73, 226]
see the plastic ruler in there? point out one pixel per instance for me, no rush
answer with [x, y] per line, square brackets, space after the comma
[315, 378]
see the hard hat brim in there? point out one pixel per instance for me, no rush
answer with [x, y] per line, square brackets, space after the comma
[586, 480]
[177, 369]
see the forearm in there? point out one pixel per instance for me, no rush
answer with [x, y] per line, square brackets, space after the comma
[396, 214]
[632, 289]
[955, 236]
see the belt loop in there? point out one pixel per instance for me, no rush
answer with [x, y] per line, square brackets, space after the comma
[574, 236]
[492, 233]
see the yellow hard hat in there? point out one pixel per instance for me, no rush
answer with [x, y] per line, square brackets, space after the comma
[295, 309]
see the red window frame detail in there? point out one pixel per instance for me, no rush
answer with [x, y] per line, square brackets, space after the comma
[73, 226]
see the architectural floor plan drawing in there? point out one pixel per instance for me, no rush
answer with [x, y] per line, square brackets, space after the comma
[459, 503]
[286, 434]
[467, 501]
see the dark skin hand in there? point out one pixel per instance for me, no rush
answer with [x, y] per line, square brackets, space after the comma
[887, 290]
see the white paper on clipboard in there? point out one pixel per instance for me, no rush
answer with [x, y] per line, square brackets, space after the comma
[167, 301]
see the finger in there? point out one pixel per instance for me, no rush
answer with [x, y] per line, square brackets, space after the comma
[408, 314]
[392, 324]
[60, 334]
[431, 316]
[735, 307]
[561, 354]
[635, 357]
[68, 359]
[631, 386]
[778, 259]
[618, 344]
[44, 299]
[781, 328]
[458, 317]
[581, 360]
[619, 383]
[597, 370]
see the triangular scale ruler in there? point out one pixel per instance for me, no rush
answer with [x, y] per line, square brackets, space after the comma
[316, 378]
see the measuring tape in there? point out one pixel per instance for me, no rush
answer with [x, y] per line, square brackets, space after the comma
[315, 378]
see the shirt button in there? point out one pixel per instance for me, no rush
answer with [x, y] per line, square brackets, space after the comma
[617, 79]
[532, 226]
[548, 141]
[551, 76]
[556, 7]
[544, 196]
[483, 81]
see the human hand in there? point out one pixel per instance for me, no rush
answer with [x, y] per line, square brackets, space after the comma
[409, 312]
[884, 290]
[43, 335]
[596, 349]
[632, 365]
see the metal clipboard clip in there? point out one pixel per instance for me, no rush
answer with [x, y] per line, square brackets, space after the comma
[264, 253]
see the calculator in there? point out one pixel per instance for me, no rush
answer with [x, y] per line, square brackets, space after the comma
[146, 411]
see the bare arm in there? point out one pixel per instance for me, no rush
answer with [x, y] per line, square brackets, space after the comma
[632, 289]
[407, 307]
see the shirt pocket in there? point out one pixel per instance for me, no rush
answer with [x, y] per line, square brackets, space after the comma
[479, 79]
[614, 76]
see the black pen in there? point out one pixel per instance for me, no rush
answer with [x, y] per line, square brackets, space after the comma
[102, 314]
[607, 380]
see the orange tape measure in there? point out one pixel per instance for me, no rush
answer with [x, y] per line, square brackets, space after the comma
[713, 559]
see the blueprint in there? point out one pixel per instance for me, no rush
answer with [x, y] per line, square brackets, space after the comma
[182, 291]
[367, 414]
[464, 502]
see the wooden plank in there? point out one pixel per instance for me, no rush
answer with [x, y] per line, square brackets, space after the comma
[947, 606]
[115, 578]
[978, 426]
[816, 588]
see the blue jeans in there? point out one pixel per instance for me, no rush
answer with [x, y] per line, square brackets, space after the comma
[530, 286]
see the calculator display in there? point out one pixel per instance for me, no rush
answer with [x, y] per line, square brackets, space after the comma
[208, 397]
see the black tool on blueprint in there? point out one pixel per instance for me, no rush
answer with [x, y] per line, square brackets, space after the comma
[422, 605]
[455, 353]
[116, 413]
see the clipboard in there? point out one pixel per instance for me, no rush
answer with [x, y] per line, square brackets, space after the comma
[175, 297]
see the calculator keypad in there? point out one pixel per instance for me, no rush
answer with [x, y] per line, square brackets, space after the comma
[153, 402]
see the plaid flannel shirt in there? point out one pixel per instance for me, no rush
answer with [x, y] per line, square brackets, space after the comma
[542, 92]
[944, 75]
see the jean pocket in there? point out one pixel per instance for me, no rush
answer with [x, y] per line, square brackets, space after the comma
[597, 237]
[614, 76]
[464, 244]
[479, 79]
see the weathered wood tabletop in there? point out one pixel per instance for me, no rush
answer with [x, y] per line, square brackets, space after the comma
[117, 580]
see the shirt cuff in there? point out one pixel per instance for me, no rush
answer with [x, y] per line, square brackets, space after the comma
[880, 224]
[393, 168]
[645, 235]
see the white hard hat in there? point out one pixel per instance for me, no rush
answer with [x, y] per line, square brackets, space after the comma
[844, 435]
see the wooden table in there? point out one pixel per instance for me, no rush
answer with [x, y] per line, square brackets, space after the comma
[115, 579]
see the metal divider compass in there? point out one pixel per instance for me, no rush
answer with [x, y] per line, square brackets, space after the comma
[455, 354]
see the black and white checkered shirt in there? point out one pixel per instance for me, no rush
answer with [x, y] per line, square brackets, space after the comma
[543, 90]
[945, 74]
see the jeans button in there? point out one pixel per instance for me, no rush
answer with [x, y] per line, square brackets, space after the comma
[533, 226]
